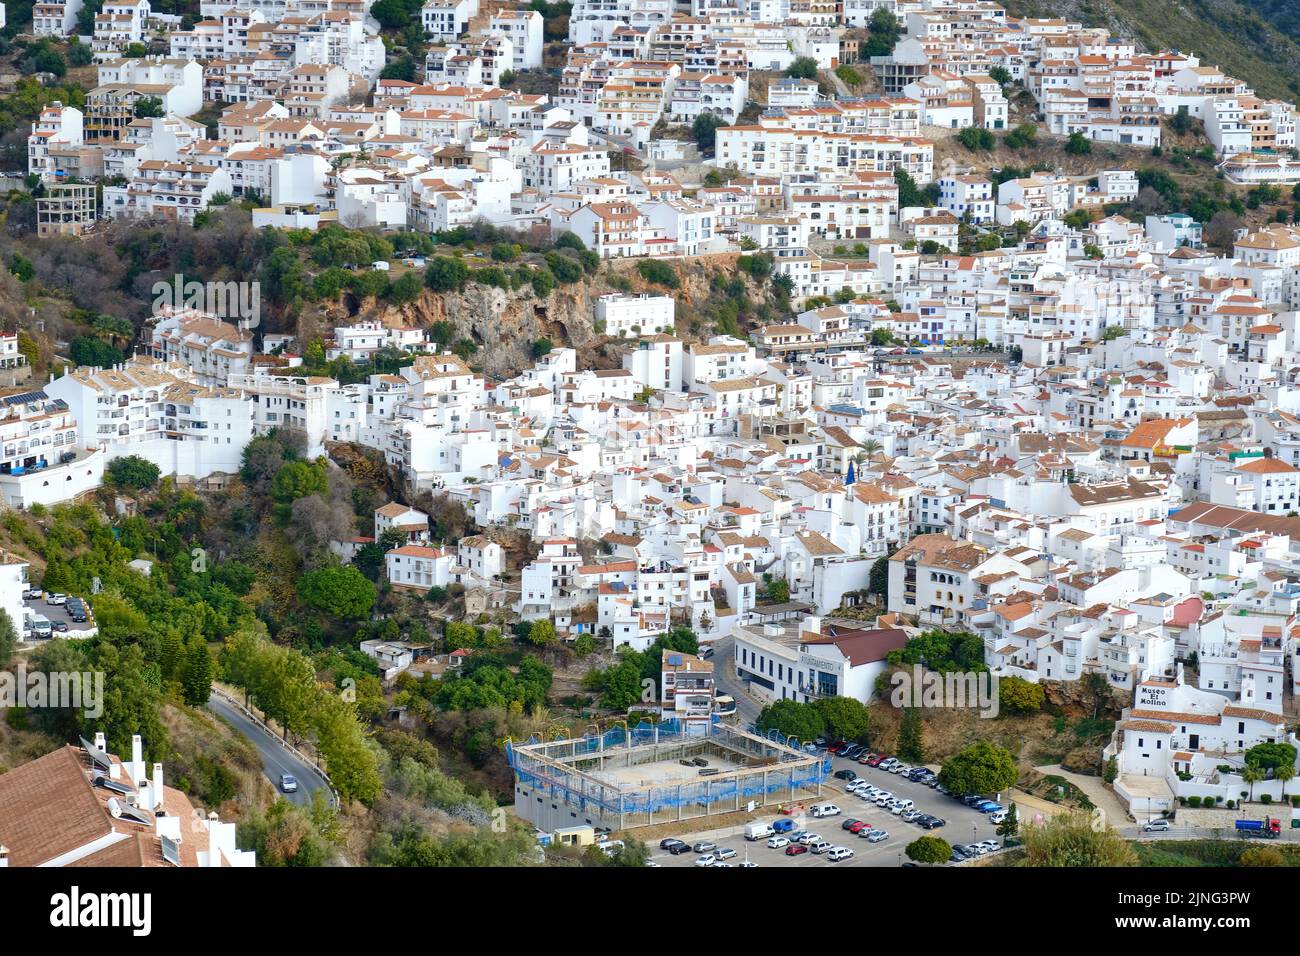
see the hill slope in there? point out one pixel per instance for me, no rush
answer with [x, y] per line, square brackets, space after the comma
[1244, 37]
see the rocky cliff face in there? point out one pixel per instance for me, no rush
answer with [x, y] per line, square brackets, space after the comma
[505, 324]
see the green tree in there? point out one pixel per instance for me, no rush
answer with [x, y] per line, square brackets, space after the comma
[845, 718]
[1252, 774]
[541, 633]
[803, 68]
[1283, 773]
[1010, 825]
[792, 719]
[445, 274]
[352, 763]
[1023, 136]
[196, 677]
[705, 131]
[1019, 696]
[879, 580]
[338, 590]
[848, 75]
[298, 479]
[132, 472]
[149, 107]
[982, 767]
[8, 637]
[1111, 773]
[1078, 145]
[910, 746]
[22, 267]
[1271, 756]
[779, 590]
[929, 849]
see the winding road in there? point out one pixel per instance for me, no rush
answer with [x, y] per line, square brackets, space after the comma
[276, 759]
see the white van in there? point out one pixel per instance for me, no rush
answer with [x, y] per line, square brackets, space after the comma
[41, 626]
[825, 810]
[906, 805]
[758, 831]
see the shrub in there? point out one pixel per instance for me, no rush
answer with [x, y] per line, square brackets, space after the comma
[660, 273]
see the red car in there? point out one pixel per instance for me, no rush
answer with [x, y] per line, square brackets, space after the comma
[837, 746]
[875, 761]
[857, 826]
[794, 849]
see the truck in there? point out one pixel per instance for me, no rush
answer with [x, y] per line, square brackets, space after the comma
[1268, 828]
[758, 831]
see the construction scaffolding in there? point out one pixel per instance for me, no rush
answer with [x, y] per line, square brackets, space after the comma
[658, 773]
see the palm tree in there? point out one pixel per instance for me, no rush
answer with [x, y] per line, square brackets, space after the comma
[1284, 772]
[871, 447]
[1252, 774]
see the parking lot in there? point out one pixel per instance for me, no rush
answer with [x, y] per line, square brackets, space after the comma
[964, 825]
[58, 614]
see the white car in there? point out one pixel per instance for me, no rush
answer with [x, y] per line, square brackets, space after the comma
[883, 800]
[1155, 826]
[724, 853]
[899, 768]
[748, 864]
[56, 599]
[707, 860]
[896, 808]
[837, 853]
[777, 842]
[826, 810]
[821, 846]
[809, 838]
[997, 817]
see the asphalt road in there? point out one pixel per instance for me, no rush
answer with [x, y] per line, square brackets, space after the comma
[275, 759]
[724, 675]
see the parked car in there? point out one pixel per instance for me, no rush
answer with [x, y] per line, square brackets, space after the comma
[821, 846]
[1156, 826]
[704, 846]
[724, 853]
[825, 810]
[794, 849]
[852, 751]
[865, 758]
[668, 842]
[989, 846]
[997, 816]
[706, 860]
[911, 816]
[838, 853]
[61, 626]
[859, 826]
[56, 599]
[845, 775]
[808, 837]
[777, 843]
[848, 823]
[878, 836]
[933, 823]
[678, 848]
[876, 760]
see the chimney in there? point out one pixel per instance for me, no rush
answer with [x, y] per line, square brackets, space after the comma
[143, 798]
[214, 851]
[137, 760]
[157, 787]
[4, 856]
[101, 743]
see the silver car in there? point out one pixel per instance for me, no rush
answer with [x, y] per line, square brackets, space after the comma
[288, 784]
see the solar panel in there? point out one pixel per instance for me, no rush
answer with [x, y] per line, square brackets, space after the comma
[171, 851]
[97, 755]
[121, 811]
[104, 783]
[25, 398]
